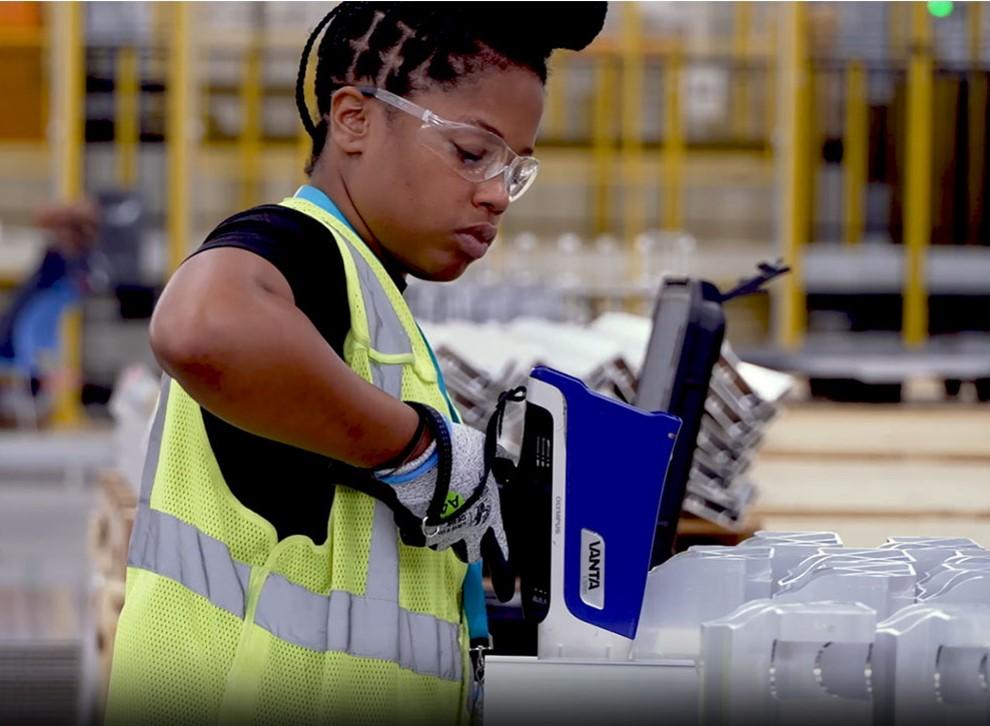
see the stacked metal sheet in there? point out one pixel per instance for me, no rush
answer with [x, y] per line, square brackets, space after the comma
[480, 361]
[40, 682]
[741, 401]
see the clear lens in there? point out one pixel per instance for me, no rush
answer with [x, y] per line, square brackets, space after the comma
[520, 175]
[478, 155]
[474, 153]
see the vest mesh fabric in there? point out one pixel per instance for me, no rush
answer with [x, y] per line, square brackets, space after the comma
[185, 651]
[192, 487]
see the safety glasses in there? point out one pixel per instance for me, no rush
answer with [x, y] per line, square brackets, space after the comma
[476, 154]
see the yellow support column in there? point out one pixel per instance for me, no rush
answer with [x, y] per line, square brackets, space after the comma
[304, 141]
[634, 215]
[974, 27]
[127, 116]
[794, 96]
[742, 84]
[250, 141]
[178, 132]
[918, 178]
[602, 142]
[68, 410]
[772, 85]
[855, 152]
[557, 98]
[673, 145]
[160, 17]
[305, 144]
[69, 66]
[977, 81]
[815, 139]
[896, 27]
[69, 60]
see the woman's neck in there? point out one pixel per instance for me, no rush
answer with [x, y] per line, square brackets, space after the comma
[334, 187]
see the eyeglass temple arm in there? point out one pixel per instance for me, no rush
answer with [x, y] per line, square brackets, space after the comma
[397, 101]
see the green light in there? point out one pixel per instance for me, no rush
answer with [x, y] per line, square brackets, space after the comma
[940, 8]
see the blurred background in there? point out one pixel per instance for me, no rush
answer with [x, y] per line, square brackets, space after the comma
[849, 140]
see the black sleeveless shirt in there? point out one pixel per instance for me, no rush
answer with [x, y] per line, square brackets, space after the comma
[288, 486]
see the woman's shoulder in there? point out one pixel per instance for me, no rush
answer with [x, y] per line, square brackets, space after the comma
[300, 247]
[304, 251]
[274, 221]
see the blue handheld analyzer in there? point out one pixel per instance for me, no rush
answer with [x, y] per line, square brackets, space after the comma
[593, 469]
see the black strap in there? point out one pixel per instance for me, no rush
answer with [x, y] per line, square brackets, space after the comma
[414, 532]
[363, 480]
[445, 448]
[397, 461]
[749, 285]
[493, 431]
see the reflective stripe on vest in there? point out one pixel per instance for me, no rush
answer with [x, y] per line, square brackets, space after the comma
[385, 331]
[361, 626]
[169, 547]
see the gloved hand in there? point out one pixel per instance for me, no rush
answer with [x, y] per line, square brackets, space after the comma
[470, 511]
[450, 495]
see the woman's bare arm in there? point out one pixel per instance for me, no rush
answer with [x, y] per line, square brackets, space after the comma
[227, 329]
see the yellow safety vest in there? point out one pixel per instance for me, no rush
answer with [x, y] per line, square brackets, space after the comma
[224, 623]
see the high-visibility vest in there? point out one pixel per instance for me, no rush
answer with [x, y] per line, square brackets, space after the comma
[224, 623]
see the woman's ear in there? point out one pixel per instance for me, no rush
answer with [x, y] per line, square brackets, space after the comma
[349, 120]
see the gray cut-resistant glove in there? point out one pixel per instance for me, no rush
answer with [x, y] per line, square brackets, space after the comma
[470, 515]
[452, 496]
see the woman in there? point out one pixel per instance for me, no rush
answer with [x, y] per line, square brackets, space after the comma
[311, 506]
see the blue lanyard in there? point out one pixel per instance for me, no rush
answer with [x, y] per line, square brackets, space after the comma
[315, 196]
[474, 588]
[454, 415]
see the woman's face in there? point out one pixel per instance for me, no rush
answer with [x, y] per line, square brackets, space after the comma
[429, 219]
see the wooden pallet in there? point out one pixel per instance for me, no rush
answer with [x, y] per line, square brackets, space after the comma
[110, 527]
[40, 613]
[109, 536]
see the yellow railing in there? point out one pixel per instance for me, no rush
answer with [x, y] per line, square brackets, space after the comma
[620, 64]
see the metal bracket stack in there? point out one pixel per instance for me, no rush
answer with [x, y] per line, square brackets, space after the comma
[742, 400]
[479, 362]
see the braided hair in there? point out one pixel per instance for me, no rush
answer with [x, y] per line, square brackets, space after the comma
[409, 46]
